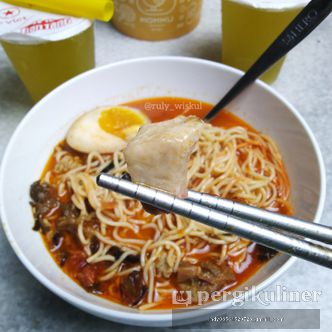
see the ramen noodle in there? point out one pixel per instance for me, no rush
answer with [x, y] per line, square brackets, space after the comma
[115, 249]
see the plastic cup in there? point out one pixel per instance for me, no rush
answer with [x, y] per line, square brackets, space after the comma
[42, 66]
[156, 19]
[250, 26]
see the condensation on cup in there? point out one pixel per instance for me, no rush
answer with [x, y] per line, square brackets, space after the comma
[45, 49]
[250, 26]
[156, 19]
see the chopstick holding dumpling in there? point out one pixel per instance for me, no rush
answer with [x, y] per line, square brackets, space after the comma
[159, 154]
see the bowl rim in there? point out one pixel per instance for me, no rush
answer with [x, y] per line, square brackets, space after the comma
[154, 317]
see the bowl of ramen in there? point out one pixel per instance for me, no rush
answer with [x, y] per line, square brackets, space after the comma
[109, 255]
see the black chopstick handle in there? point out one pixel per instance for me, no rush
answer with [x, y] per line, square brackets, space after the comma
[303, 24]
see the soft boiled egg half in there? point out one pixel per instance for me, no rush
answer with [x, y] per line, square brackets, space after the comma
[105, 130]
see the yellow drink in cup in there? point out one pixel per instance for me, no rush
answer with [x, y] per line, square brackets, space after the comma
[42, 66]
[47, 49]
[250, 26]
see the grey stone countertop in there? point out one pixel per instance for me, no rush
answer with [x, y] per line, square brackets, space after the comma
[306, 81]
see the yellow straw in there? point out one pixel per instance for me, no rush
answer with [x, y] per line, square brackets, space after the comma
[93, 9]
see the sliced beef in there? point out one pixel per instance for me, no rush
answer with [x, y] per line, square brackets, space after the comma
[187, 271]
[132, 288]
[40, 192]
[44, 202]
[87, 276]
[70, 211]
[86, 273]
[69, 219]
[205, 277]
[264, 254]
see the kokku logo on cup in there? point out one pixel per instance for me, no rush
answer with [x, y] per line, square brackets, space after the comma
[156, 7]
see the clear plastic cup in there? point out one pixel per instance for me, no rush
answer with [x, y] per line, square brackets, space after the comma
[250, 26]
[156, 19]
[42, 66]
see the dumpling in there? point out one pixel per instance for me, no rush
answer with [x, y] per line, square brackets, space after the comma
[158, 155]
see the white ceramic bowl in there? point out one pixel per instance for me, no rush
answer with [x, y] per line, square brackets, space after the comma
[46, 124]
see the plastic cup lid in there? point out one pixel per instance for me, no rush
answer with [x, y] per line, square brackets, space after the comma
[23, 25]
[274, 4]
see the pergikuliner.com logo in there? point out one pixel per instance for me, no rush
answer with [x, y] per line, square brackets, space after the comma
[249, 294]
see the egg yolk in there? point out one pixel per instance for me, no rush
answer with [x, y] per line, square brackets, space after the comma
[118, 120]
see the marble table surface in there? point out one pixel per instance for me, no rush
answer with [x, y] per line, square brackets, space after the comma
[306, 81]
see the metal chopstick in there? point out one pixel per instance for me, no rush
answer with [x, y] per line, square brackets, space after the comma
[307, 229]
[286, 243]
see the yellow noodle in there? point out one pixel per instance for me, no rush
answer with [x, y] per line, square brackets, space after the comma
[234, 163]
